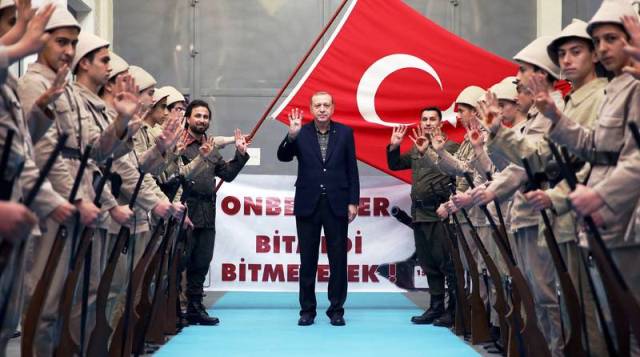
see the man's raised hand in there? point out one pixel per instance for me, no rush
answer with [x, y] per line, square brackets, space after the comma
[295, 122]
[419, 138]
[542, 98]
[397, 135]
[241, 141]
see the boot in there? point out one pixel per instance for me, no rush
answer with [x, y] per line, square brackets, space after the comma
[448, 317]
[197, 314]
[435, 310]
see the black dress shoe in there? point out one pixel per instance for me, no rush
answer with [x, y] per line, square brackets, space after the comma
[305, 320]
[337, 321]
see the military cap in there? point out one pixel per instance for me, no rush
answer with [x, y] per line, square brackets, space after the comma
[161, 93]
[611, 12]
[535, 53]
[61, 17]
[118, 65]
[6, 3]
[175, 96]
[576, 29]
[470, 96]
[87, 42]
[143, 79]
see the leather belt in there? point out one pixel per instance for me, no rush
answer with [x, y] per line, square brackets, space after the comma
[71, 153]
[427, 204]
[602, 158]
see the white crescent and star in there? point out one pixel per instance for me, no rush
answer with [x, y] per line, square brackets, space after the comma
[377, 73]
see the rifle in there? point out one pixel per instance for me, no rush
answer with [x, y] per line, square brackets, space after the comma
[173, 304]
[145, 307]
[122, 341]
[32, 316]
[479, 323]
[99, 340]
[500, 304]
[6, 185]
[463, 311]
[152, 321]
[503, 226]
[5, 247]
[459, 326]
[534, 339]
[624, 308]
[402, 216]
[67, 346]
[633, 127]
[573, 342]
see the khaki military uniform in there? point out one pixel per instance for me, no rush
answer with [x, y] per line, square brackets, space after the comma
[73, 118]
[533, 255]
[13, 118]
[457, 165]
[612, 181]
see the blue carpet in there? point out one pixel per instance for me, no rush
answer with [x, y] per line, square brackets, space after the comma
[264, 324]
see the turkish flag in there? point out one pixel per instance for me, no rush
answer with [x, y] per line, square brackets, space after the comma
[384, 63]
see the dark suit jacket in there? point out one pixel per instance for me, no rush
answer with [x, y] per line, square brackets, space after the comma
[338, 174]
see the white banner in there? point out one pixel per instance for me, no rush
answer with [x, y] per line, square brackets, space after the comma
[256, 246]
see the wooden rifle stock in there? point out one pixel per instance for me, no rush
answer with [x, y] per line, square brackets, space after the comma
[463, 313]
[173, 304]
[479, 322]
[573, 342]
[500, 304]
[536, 344]
[459, 326]
[6, 248]
[122, 341]
[503, 226]
[516, 346]
[32, 316]
[99, 340]
[625, 310]
[148, 310]
[67, 346]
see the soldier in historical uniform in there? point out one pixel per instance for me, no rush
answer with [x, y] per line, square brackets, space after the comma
[429, 231]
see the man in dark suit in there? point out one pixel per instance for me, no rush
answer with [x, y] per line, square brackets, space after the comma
[327, 196]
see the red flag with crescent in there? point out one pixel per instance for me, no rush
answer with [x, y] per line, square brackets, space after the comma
[382, 64]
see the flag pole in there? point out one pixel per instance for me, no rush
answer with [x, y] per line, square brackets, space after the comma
[293, 74]
[297, 69]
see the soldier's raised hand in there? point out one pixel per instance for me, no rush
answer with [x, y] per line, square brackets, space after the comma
[397, 135]
[476, 137]
[29, 39]
[419, 138]
[438, 140]
[126, 101]
[55, 90]
[632, 26]
[241, 141]
[136, 122]
[295, 122]
[542, 99]
[489, 112]
[170, 133]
